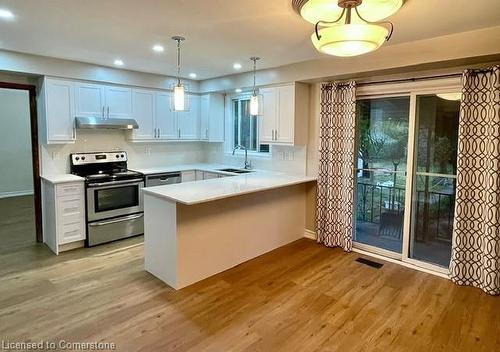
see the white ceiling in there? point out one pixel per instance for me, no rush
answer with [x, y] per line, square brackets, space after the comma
[219, 32]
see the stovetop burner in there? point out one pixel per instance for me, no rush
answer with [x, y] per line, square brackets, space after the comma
[102, 167]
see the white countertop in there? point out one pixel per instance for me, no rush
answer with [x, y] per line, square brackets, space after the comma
[63, 178]
[190, 193]
[185, 167]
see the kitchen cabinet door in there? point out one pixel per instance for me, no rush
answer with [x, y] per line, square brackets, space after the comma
[269, 117]
[286, 115]
[188, 121]
[204, 117]
[59, 113]
[143, 111]
[90, 100]
[118, 102]
[210, 175]
[188, 176]
[165, 118]
[216, 118]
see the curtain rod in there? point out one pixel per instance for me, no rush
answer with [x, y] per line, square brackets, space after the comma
[416, 79]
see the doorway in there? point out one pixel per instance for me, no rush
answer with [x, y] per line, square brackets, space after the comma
[20, 194]
[406, 174]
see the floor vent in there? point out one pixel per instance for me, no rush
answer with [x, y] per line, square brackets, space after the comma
[370, 263]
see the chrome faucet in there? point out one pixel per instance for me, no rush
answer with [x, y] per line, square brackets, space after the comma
[248, 164]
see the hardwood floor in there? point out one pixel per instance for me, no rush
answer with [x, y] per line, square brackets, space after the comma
[302, 297]
[17, 222]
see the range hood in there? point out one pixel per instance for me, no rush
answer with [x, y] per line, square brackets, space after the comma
[100, 123]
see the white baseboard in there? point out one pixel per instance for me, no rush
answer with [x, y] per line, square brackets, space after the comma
[16, 193]
[312, 236]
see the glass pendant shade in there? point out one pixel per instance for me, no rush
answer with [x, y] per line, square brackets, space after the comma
[254, 105]
[350, 39]
[314, 11]
[179, 99]
[450, 96]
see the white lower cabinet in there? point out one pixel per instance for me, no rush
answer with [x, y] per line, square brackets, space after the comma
[188, 176]
[63, 215]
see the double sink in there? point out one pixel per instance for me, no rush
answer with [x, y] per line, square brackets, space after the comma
[235, 171]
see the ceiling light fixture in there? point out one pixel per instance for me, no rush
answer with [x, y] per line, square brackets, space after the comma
[179, 96]
[237, 66]
[193, 75]
[254, 99]
[348, 27]
[450, 96]
[118, 62]
[6, 14]
[158, 48]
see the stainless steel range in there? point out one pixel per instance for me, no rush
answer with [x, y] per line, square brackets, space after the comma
[113, 196]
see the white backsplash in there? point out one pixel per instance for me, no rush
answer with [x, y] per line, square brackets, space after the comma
[55, 158]
[287, 159]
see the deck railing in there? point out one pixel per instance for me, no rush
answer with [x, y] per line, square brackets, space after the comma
[434, 217]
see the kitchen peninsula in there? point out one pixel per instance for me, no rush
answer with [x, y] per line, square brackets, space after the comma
[194, 230]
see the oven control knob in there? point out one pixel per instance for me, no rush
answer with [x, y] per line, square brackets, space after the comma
[83, 158]
[117, 156]
[123, 155]
[77, 158]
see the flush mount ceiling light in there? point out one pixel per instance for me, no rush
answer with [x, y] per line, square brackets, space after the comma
[6, 14]
[118, 62]
[450, 96]
[158, 48]
[348, 27]
[179, 98]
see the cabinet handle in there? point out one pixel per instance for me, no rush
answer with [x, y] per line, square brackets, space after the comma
[273, 135]
[108, 112]
[154, 133]
[103, 113]
[276, 135]
[179, 132]
[159, 132]
[206, 133]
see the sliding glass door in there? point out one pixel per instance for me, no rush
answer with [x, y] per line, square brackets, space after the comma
[406, 176]
[382, 139]
[434, 180]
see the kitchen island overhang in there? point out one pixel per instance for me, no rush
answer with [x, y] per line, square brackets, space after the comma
[196, 230]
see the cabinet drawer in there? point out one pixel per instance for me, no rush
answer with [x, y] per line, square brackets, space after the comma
[69, 190]
[72, 232]
[70, 206]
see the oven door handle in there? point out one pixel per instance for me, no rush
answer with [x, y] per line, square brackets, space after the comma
[114, 221]
[112, 183]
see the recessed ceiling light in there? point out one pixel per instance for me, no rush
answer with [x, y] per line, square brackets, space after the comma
[6, 14]
[158, 48]
[237, 66]
[118, 62]
[193, 75]
[238, 90]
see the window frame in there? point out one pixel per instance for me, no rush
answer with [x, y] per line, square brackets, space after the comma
[229, 137]
[411, 89]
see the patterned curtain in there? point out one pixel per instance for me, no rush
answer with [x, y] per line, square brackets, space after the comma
[476, 244]
[335, 200]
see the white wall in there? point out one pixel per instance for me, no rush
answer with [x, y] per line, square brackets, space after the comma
[55, 158]
[16, 175]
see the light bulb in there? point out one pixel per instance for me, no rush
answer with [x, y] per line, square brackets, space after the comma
[179, 98]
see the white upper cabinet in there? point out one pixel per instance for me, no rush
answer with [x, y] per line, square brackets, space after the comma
[56, 104]
[143, 111]
[188, 121]
[97, 100]
[165, 118]
[118, 102]
[212, 118]
[269, 114]
[90, 99]
[285, 114]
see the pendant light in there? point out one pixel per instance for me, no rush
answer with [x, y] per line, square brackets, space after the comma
[179, 101]
[255, 99]
[348, 27]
